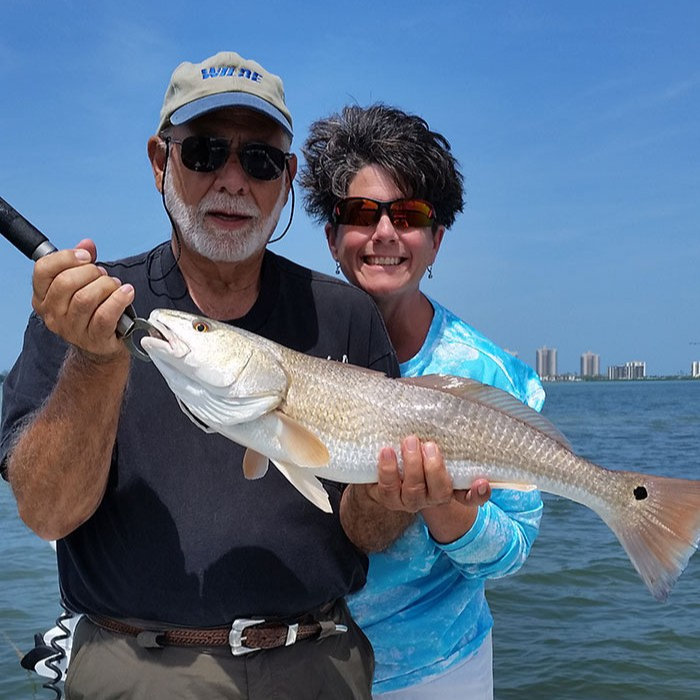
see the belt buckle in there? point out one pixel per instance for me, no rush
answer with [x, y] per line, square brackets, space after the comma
[236, 638]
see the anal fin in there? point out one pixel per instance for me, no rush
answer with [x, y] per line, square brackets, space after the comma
[513, 485]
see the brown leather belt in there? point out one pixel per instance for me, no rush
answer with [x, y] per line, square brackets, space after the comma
[243, 636]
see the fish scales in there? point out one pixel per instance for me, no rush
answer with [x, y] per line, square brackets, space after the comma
[475, 440]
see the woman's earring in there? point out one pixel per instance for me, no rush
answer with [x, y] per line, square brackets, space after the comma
[337, 267]
[430, 272]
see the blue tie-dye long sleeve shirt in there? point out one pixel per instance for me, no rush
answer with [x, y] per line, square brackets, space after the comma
[423, 607]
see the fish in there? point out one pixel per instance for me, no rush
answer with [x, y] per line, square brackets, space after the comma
[316, 418]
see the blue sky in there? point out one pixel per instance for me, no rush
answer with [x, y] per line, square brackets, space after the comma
[577, 126]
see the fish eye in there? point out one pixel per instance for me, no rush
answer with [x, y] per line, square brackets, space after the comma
[200, 326]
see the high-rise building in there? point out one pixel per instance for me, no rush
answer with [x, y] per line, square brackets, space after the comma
[630, 370]
[590, 364]
[617, 372]
[695, 369]
[638, 369]
[547, 362]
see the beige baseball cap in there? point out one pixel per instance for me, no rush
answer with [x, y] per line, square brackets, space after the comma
[224, 80]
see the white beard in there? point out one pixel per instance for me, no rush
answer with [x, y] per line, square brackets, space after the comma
[214, 244]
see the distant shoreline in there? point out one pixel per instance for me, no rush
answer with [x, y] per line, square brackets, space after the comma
[575, 379]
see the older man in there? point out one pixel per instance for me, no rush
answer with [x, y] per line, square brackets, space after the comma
[172, 557]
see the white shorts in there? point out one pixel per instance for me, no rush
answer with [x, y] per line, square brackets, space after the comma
[472, 679]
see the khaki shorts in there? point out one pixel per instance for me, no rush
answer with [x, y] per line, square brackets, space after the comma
[106, 666]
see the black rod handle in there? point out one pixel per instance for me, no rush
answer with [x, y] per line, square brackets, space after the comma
[34, 244]
[23, 235]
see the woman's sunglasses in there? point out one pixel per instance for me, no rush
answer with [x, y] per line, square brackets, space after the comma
[403, 213]
[205, 154]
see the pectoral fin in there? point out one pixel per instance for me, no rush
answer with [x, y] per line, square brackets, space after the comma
[307, 485]
[301, 446]
[254, 464]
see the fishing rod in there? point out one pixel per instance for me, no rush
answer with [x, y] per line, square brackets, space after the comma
[28, 239]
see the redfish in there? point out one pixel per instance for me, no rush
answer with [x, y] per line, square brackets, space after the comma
[320, 418]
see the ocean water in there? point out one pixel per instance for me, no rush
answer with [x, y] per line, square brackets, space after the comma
[576, 623]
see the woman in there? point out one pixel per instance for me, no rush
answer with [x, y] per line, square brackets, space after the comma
[387, 188]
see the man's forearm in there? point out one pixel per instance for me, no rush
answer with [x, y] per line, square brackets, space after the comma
[59, 465]
[370, 526]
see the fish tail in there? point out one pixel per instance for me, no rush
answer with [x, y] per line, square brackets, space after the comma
[659, 527]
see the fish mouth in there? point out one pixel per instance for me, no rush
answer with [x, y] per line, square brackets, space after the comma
[163, 341]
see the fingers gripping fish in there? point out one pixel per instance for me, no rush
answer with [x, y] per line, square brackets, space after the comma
[313, 417]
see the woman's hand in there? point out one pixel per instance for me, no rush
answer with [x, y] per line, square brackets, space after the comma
[426, 486]
[425, 480]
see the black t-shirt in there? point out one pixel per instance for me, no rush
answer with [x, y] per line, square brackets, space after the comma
[181, 536]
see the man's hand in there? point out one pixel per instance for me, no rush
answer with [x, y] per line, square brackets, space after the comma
[80, 302]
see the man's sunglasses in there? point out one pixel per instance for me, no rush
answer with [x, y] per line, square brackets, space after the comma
[403, 213]
[205, 154]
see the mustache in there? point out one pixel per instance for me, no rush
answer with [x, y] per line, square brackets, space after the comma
[223, 203]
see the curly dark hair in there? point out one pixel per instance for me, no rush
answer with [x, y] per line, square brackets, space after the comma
[419, 160]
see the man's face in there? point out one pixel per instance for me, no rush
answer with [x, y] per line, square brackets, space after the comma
[226, 215]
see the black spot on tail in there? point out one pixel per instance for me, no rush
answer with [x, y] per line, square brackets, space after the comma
[640, 493]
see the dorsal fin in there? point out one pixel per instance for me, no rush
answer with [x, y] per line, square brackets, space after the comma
[491, 396]
[364, 370]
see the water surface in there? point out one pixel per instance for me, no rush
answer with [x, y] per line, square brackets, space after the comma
[576, 623]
